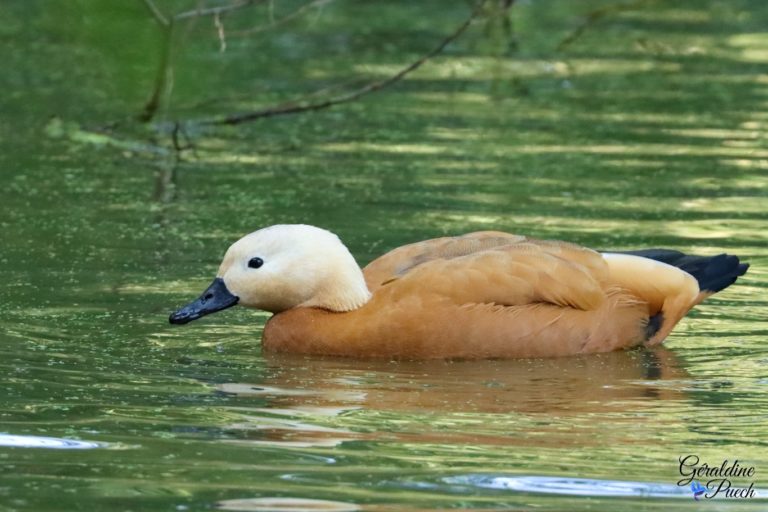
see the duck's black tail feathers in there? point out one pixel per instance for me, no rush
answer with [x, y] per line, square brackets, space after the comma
[714, 273]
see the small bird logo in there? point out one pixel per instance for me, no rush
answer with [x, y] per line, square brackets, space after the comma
[697, 489]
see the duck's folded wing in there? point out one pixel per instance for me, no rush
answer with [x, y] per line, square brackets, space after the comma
[398, 262]
[517, 274]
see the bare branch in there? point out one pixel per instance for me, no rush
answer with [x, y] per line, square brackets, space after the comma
[161, 77]
[596, 16]
[156, 13]
[294, 107]
[169, 24]
[214, 11]
[283, 19]
[220, 33]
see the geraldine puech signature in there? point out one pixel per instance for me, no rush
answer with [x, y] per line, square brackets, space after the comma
[718, 480]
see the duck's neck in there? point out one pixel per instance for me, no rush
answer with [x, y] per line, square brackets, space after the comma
[343, 290]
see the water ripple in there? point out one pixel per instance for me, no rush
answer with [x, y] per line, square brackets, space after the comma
[286, 505]
[55, 443]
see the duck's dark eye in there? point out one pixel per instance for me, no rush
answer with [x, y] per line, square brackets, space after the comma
[255, 262]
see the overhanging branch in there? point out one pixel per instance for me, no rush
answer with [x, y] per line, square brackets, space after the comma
[296, 107]
[313, 4]
[214, 11]
[156, 13]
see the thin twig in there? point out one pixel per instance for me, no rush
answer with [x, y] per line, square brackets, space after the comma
[293, 107]
[597, 15]
[220, 33]
[161, 78]
[157, 13]
[214, 11]
[169, 23]
[283, 19]
[178, 130]
[175, 137]
[195, 107]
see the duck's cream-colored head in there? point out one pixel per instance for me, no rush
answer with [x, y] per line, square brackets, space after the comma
[283, 267]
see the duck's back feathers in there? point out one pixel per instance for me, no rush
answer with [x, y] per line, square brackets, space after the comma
[516, 274]
[398, 262]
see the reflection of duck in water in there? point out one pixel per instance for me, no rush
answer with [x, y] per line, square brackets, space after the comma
[541, 385]
[300, 393]
[481, 295]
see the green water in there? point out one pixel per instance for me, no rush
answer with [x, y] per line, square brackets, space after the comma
[648, 130]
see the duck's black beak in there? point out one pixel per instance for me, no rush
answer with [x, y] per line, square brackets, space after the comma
[215, 298]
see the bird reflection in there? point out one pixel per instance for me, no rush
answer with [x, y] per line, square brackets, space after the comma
[304, 395]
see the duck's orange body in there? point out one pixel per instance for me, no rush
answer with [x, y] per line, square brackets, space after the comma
[489, 295]
[492, 295]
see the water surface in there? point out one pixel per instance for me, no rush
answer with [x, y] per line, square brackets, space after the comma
[648, 130]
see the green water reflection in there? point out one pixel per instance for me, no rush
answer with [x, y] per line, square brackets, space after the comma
[649, 130]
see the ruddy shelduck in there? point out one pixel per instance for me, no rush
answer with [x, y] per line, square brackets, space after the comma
[487, 294]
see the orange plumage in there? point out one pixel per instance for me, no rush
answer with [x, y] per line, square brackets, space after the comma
[482, 295]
